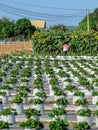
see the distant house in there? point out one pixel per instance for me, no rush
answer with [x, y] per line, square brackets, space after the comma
[39, 23]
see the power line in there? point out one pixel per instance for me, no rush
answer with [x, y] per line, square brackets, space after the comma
[21, 12]
[36, 14]
[39, 6]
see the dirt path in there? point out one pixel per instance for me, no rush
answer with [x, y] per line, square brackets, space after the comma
[12, 47]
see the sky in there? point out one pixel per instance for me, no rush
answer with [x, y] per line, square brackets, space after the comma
[67, 12]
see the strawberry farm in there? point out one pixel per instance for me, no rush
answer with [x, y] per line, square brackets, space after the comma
[50, 93]
[41, 87]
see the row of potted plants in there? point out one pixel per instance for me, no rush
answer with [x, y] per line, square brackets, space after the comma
[57, 93]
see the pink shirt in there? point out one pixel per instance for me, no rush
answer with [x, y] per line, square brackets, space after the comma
[66, 46]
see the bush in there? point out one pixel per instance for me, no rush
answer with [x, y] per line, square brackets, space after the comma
[81, 43]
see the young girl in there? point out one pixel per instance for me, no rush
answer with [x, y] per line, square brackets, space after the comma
[65, 48]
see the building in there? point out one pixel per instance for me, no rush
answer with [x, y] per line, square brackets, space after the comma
[41, 24]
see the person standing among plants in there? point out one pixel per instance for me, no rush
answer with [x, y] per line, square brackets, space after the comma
[65, 48]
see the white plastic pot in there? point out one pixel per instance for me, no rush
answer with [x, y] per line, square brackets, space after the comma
[1, 107]
[39, 107]
[94, 99]
[4, 99]
[80, 107]
[18, 107]
[84, 118]
[8, 91]
[62, 117]
[36, 90]
[96, 121]
[9, 118]
[75, 98]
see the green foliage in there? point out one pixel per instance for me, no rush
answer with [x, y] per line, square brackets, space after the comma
[79, 93]
[26, 72]
[2, 93]
[70, 88]
[81, 126]
[84, 43]
[22, 28]
[30, 123]
[41, 94]
[58, 125]
[61, 101]
[80, 42]
[6, 28]
[2, 73]
[22, 88]
[96, 113]
[93, 18]
[81, 102]
[36, 101]
[4, 125]
[8, 111]
[95, 93]
[57, 112]
[31, 112]
[17, 99]
[59, 92]
[63, 74]
[1, 79]
[5, 87]
[59, 27]
[48, 42]
[11, 80]
[84, 112]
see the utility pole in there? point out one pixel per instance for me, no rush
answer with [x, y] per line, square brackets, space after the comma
[87, 13]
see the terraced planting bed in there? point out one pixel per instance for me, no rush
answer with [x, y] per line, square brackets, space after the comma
[58, 88]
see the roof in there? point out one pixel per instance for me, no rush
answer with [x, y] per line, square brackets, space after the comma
[39, 23]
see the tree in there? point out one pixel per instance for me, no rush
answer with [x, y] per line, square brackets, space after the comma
[93, 20]
[8, 31]
[96, 12]
[59, 27]
[23, 28]
[96, 17]
[6, 28]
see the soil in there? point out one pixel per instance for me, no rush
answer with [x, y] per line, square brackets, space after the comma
[6, 49]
